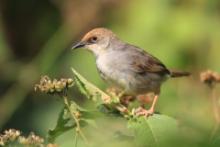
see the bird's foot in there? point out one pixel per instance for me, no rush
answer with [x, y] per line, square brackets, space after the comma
[143, 112]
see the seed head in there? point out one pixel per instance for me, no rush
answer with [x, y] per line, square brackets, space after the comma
[210, 78]
[49, 86]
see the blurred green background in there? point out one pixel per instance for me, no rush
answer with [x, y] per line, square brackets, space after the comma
[36, 37]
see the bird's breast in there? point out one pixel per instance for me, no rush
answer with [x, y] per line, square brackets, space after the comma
[111, 69]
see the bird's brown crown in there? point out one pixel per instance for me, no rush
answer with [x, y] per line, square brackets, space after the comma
[96, 34]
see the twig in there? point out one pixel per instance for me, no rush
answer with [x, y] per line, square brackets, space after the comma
[75, 140]
[78, 129]
[211, 78]
[215, 106]
[215, 112]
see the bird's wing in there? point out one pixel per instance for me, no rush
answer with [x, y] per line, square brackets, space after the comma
[144, 62]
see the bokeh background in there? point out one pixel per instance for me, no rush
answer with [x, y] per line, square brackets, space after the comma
[36, 37]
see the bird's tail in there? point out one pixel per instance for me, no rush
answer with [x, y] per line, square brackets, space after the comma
[176, 74]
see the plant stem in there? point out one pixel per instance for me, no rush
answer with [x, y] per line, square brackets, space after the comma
[215, 106]
[75, 140]
[78, 129]
[215, 111]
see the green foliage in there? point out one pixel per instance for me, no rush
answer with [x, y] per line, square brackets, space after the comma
[86, 88]
[104, 101]
[61, 126]
[154, 131]
[80, 84]
[71, 116]
[157, 130]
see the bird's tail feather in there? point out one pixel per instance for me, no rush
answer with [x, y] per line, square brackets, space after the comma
[175, 74]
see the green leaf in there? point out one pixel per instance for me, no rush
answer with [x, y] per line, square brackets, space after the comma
[62, 126]
[109, 110]
[90, 122]
[65, 121]
[87, 88]
[94, 93]
[120, 136]
[82, 87]
[154, 131]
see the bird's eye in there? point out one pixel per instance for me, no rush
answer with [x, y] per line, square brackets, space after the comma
[93, 39]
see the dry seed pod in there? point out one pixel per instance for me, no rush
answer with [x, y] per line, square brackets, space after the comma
[210, 77]
[47, 85]
[34, 139]
[70, 82]
[23, 140]
[12, 136]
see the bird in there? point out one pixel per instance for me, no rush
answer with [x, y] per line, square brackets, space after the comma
[126, 66]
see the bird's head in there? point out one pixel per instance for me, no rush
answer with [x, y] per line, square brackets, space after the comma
[97, 40]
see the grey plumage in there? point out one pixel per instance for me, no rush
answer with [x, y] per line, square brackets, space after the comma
[132, 69]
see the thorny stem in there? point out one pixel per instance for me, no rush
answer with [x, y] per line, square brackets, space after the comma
[78, 129]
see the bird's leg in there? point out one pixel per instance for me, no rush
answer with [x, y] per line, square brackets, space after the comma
[143, 112]
[152, 108]
[144, 99]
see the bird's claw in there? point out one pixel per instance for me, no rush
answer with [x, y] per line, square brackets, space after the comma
[143, 112]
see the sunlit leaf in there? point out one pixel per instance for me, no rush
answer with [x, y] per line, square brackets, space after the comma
[87, 88]
[154, 131]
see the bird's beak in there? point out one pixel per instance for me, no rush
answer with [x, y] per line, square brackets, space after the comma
[79, 45]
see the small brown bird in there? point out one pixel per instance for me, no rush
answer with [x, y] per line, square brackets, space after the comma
[126, 66]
